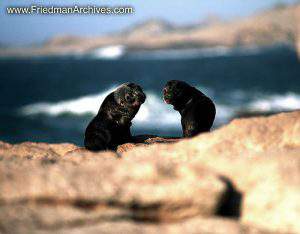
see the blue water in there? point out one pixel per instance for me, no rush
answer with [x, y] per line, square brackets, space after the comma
[44, 99]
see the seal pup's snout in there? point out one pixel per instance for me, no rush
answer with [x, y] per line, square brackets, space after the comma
[167, 95]
[140, 97]
[167, 99]
[136, 97]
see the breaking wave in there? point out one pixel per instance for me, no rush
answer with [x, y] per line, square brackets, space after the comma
[154, 113]
[108, 52]
[273, 103]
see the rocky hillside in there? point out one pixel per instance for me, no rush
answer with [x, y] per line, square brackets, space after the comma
[269, 27]
[242, 178]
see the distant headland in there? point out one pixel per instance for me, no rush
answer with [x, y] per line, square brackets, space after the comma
[274, 26]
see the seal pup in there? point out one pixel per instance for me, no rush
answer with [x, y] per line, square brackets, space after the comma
[197, 110]
[111, 126]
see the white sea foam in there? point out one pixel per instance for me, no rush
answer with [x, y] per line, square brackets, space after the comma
[154, 113]
[77, 106]
[108, 52]
[286, 102]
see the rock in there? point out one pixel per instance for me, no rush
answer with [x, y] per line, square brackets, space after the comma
[36, 195]
[274, 202]
[128, 146]
[32, 150]
[247, 170]
[145, 140]
[80, 156]
[191, 226]
[259, 156]
[62, 40]
[150, 27]
[62, 149]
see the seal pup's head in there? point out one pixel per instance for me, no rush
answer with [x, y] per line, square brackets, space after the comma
[129, 95]
[177, 93]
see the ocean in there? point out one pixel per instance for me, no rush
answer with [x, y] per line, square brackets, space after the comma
[52, 99]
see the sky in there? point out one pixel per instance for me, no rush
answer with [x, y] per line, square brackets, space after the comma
[21, 30]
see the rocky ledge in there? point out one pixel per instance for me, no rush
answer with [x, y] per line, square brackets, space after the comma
[242, 178]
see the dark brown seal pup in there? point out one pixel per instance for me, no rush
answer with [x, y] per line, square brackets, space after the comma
[197, 110]
[111, 126]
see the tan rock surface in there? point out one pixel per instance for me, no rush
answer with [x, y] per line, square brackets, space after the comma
[36, 194]
[260, 156]
[32, 150]
[249, 167]
[198, 225]
[146, 141]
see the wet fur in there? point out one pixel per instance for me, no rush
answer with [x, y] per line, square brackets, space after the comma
[111, 126]
[197, 110]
